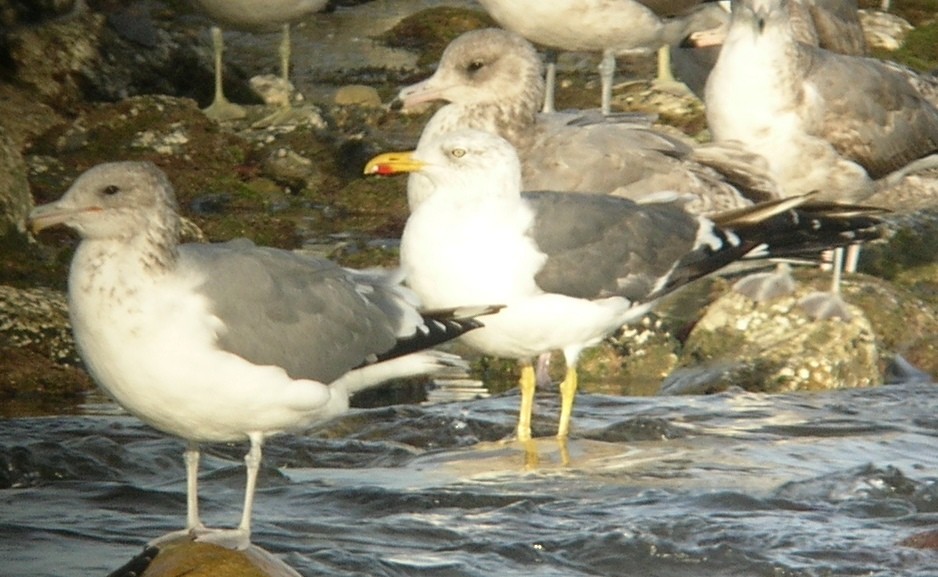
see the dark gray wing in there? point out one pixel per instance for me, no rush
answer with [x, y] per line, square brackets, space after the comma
[301, 313]
[599, 246]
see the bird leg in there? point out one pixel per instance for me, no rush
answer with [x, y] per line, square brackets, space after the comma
[607, 69]
[285, 53]
[194, 527]
[550, 82]
[665, 76]
[287, 114]
[567, 394]
[252, 462]
[527, 384]
[240, 538]
[220, 108]
[191, 456]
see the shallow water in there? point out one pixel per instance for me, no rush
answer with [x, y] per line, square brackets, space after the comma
[730, 484]
[337, 44]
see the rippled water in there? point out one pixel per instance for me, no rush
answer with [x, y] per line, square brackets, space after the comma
[731, 484]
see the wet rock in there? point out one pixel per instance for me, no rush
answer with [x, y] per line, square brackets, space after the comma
[285, 165]
[37, 319]
[883, 30]
[923, 540]
[774, 346]
[904, 322]
[273, 90]
[430, 30]
[39, 369]
[15, 202]
[183, 556]
[358, 95]
[50, 58]
[132, 50]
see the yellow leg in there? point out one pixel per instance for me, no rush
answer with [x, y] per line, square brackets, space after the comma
[564, 452]
[664, 65]
[285, 53]
[531, 457]
[567, 394]
[221, 108]
[527, 382]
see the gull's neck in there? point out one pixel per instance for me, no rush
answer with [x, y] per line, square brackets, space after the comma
[770, 58]
[123, 263]
[513, 121]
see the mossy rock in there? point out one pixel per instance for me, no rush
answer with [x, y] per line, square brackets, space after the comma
[431, 30]
[774, 346]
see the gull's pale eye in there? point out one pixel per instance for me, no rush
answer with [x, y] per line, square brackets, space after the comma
[458, 152]
[110, 190]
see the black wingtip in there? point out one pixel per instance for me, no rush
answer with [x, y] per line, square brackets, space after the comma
[791, 227]
[440, 326]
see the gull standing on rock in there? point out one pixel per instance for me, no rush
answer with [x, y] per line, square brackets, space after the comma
[608, 26]
[492, 80]
[571, 269]
[252, 16]
[226, 342]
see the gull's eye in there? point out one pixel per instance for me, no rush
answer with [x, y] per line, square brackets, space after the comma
[110, 190]
[458, 152]
[475, 66]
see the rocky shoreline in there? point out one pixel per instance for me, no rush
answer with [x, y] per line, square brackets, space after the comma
[124, 81]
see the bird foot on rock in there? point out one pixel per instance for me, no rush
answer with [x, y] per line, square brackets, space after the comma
[238, 539]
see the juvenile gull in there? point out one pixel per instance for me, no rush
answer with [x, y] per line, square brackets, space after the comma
[493, 80]
[226, 342]
[252, 16]
[845, 125]
[571, 269]
[830, 24]
[823, 121]
[611, 27]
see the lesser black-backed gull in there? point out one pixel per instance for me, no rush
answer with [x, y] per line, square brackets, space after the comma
[225, 342]
[570, 269]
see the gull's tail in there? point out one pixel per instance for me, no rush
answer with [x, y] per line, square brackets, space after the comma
[789, 227]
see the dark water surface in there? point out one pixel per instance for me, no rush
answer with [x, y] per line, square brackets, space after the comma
[732, 484]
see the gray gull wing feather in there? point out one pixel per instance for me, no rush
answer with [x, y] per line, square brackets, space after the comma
[315, 321]
[873, 114]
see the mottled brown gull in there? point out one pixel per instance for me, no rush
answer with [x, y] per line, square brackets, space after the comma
[823, 121]
[570, 269]
[225, 342]
[492, 80]
[252, 16]
[610, 27]
[830, 24]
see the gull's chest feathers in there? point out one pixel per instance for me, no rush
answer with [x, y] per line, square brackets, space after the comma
[118, 295]
[753, 87]
[470, 251]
